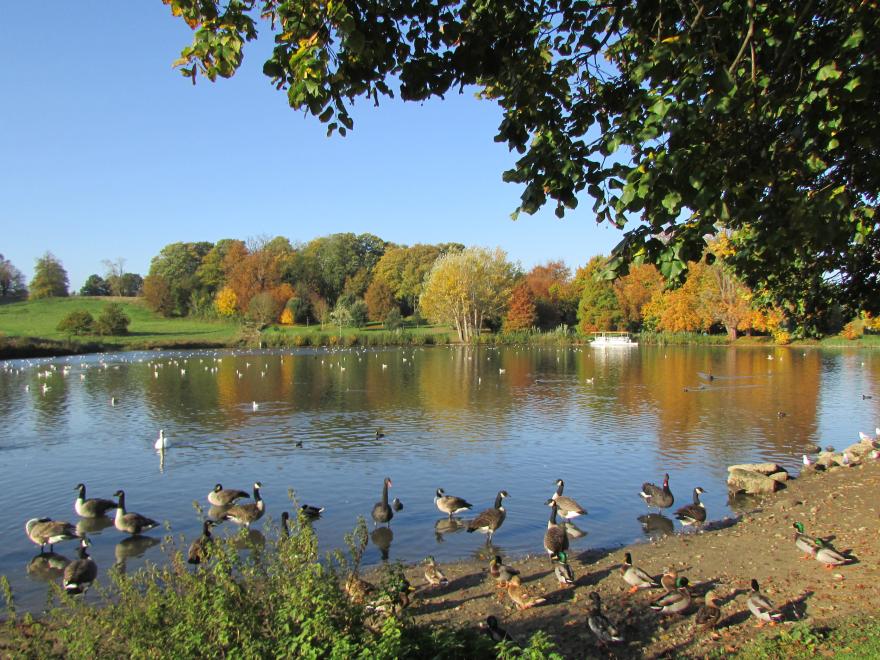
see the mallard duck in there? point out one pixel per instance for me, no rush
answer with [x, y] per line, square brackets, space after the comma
[81, 572]
[93, 507]
[220, 496]
[636, 577]
[496, 634]
[45, 531]
[501, 572]
[130, 522]
[382, 512]
[198, 549]
[433, 574]
[655, 496]
[669, 579]
[827, 555]
[806, 544]
[358, 590]
[562, 569]
[602, 628]
[310, 511]
[520, 595]
[246, 514]
[568, 508]
[555, 538]
[488, 521]
[693, 514]
[762, 607]
[450, 505]
[674, 602]
[709, 613]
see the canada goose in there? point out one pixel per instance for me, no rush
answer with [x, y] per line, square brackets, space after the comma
[568, 508]
[381, 512]
[161, 442]
[433, 574]
[198, 549]
[658, 497]
[693, 514]
[450, 505]
[225, 496]
[91, 508]
[520, 595]
[762, 607]
[555, 538]
[130, 523]
[636, 577]
[43, 531]
[245, 514]
[488, 521]
[602, 628]
[285, 531]
[379, 434]
[81, 572]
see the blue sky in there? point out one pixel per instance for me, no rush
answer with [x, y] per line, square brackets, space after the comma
[108, 152]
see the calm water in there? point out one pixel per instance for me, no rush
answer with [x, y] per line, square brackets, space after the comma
[472, 421]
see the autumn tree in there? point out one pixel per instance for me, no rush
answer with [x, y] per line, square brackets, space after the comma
[634, 290]
[158, 295]
[12, 286]
[549, 284]
[404, 269]
[674, 117]
[467, 288]
[380, 299]
[521, 312]
[50, 278]
[176, 265]
[331, 261]
[226, 302]
[212, 270]
[263, 309]
[598, 309]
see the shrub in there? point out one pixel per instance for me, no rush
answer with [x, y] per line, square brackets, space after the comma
[393, 320]
[78, 322]
[359, 313]
[113, 321]
[853, 330]
[301, 340]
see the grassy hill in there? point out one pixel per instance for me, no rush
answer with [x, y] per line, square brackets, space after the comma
[34, 323]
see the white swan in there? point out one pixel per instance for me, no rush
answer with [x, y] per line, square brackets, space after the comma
[162, 442]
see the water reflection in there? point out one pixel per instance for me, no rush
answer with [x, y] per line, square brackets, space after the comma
[47, 566]
[573, 531]
[93, 525]
[656, 525]
[382, 538]
[447, 525]
[248, 539]
[132, 548]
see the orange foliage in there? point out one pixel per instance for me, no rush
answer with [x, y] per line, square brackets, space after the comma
[286, 317]
[521, 312]
[636, 289]
[250, 273]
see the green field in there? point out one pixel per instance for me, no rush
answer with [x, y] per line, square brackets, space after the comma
[21, 322]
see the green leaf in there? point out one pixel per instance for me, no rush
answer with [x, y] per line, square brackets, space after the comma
[671, 201]
[828, 72]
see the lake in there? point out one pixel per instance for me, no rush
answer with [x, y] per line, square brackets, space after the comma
[470, 420]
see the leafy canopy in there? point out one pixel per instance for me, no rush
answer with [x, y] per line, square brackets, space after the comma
[675, 118]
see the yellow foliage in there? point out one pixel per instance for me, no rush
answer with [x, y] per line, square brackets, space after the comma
[286, 317]
[226, 302]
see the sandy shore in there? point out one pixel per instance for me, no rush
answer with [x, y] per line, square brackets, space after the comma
[840, 505]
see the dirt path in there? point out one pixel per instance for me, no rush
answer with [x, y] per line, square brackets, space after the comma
[841, 504]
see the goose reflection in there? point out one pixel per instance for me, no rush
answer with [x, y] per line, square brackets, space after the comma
[47, 566]
[382, 538]
[447, 526]
[655, 525]
[485, 553]
[248, 539]
[132, 548]
[93, 525]
[573, 531]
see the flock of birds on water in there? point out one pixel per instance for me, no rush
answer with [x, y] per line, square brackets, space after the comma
[675, 599]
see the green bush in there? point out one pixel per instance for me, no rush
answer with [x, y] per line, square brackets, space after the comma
[278, 601]
[112, 321]
[78, 322]
[393, 320]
